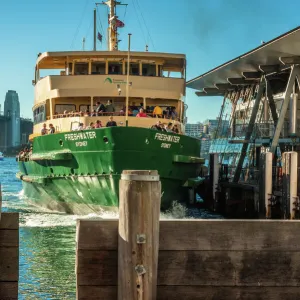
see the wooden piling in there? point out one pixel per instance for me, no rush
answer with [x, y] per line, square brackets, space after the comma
[9, 254]
[138, 242]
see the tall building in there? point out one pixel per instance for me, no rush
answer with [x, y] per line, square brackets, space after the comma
[194, 130]
[212, 126]
[12, 113]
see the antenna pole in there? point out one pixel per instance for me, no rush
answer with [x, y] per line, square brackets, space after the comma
[114, 23]
[83, 43]
[127, 80]
[95, 29]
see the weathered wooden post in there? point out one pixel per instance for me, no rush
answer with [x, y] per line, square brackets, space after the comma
[139, 210]
[0, 200]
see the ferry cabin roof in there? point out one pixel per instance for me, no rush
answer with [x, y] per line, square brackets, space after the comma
[66, 81]
[272, 59]
[57, 60]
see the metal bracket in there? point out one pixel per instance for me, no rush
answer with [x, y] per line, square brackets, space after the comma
[141, 238]
[140, 269]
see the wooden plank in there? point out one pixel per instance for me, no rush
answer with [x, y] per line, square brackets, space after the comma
[97, 267]
[106, 237]
[216, 268]
[9, 221]
[276, 235]
[0, 201]
[8, 290]
[9, 264]
[198, 293]
[9, 238]
[97, 292]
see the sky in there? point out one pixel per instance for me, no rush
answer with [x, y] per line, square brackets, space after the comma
[208, 32]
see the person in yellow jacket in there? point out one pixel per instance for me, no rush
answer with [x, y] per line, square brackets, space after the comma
[157, 111]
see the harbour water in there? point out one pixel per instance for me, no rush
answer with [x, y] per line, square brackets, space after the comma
[47, 241]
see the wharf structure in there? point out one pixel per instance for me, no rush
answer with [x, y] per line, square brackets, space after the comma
[254, 165]
[14, 130]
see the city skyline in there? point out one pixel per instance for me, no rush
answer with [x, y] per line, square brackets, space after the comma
[203, 34]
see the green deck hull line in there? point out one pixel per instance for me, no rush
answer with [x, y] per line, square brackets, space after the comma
[78, 172]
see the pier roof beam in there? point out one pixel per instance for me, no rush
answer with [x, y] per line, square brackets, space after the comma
[240, 81]
[249, 131]
[224, 86]
[252, 75]
[267, 69]
[201, 94]
[295, 73]
[211, 90]
[292, 60]
[270, 98]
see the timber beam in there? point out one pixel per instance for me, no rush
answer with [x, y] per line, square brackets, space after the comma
[292, 60]
[241, 81]
[252, 75]
[267, 69]
[224, 86]
[201, 94]
[211, 90]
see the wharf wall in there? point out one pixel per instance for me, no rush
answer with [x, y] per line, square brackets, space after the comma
[199, 259]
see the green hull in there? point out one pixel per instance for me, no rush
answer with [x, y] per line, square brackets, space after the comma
[79, 172]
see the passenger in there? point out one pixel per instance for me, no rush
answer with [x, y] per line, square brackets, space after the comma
[91, 126]
[80, 127]
[111, 122]
[51, 129]
[87, 113]
[157, 112]
[94, 114]
[135, 111]
[109, 107]
[141, 114]
[166, 113]
[98, 124]
[44, 129]
[100, 108]
[169, 127]
[174, 114]
[157, 126]
[175, 129]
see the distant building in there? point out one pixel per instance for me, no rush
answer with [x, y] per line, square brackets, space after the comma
[14, 131]
[12, 113]
[194, 130]
[211, 125]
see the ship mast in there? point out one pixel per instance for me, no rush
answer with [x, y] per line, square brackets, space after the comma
[114, 24]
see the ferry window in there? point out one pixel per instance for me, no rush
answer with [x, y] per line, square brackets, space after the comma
[39, 114]
[81, 68]
[149, 70]
[134, 69]
[60, 108]
[84, 108]
[98, 68]
[114, 68]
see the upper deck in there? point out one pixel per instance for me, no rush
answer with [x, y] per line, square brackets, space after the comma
[72, 83]
[103, 73]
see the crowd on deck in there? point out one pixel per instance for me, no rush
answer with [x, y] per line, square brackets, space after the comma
[133, 111]
[170, 127]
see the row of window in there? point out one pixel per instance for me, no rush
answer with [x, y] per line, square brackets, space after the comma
[99, 68]
[111, 68]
